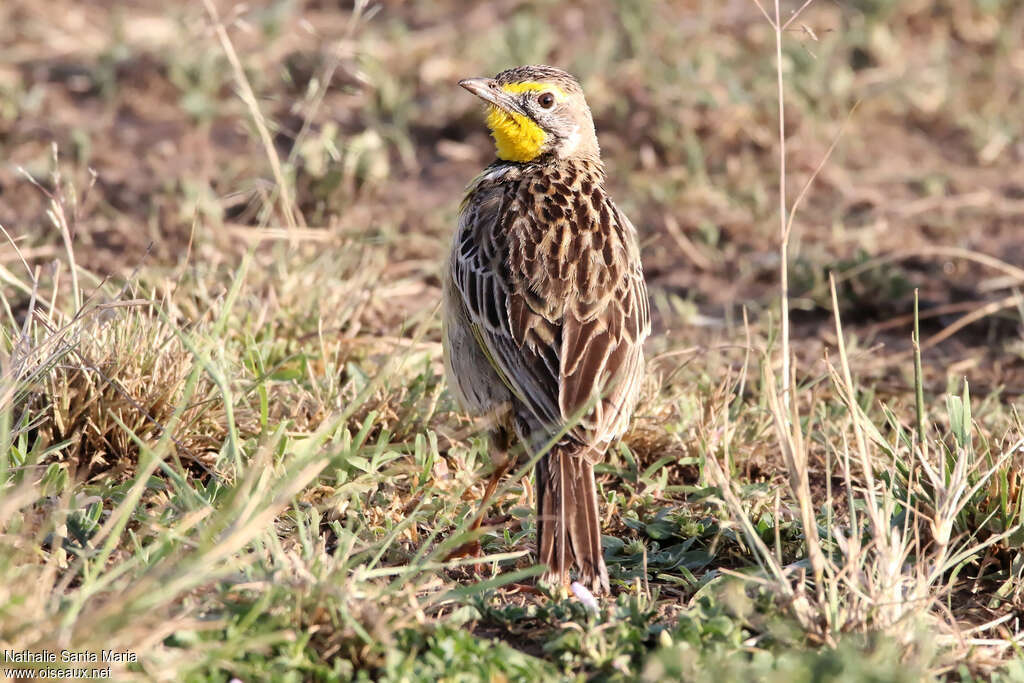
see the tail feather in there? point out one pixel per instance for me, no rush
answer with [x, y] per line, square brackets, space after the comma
[568, 526]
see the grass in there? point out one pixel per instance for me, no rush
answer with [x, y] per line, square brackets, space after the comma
[226, 448]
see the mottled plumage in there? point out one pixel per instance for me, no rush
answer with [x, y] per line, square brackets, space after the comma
[545, 304]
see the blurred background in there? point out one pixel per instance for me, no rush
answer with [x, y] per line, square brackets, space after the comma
[378, 142]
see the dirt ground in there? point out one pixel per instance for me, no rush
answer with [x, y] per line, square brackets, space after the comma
[926, 169]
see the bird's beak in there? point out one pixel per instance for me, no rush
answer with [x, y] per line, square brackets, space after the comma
[488, 90]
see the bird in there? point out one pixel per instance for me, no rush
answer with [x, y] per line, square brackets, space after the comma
[545, 309]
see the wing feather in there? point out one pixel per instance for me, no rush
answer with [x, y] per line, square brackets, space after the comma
[478, 275]
[602, 344]
[564, 334]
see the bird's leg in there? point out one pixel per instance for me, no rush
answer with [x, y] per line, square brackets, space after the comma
[492, 485]
[500, 442]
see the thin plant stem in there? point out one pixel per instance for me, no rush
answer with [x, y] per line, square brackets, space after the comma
[783, 223]
[919, 381]
[247, 95]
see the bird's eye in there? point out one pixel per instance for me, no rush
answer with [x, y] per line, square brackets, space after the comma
[546, 100]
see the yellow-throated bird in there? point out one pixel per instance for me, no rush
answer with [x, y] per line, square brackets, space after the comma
[546, 307]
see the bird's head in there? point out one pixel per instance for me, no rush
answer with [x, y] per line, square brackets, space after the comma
[535, 111]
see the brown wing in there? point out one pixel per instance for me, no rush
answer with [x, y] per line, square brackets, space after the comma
[481, 274]
[555, 293]
[603, 336]
[578, 299]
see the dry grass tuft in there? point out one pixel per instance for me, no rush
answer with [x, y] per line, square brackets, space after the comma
[118, 384]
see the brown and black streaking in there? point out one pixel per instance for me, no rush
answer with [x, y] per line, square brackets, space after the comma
[546, 312]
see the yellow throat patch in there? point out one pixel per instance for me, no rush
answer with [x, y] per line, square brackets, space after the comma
[516, 136]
